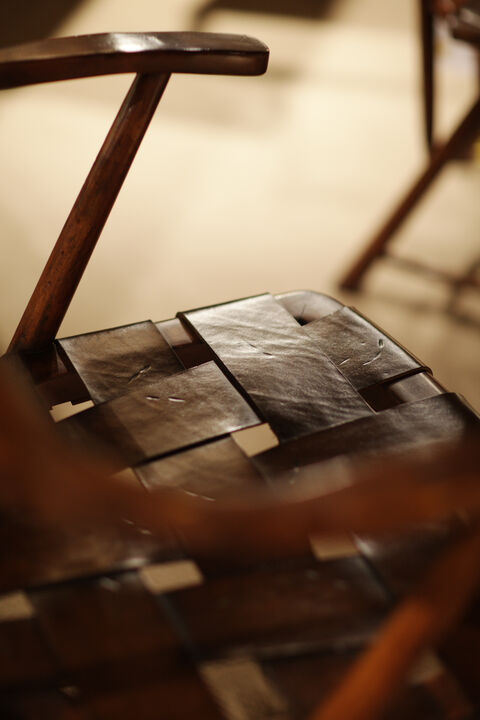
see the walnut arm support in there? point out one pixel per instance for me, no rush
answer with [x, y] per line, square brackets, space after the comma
[154, 57]
[72, 251]
[145, 53]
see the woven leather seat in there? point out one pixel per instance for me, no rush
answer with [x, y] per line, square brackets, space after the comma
[119, 621]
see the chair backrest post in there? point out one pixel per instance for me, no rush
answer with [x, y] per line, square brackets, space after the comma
[69, 258]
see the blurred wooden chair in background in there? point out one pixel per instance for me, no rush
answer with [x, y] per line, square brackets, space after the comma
[464, 25]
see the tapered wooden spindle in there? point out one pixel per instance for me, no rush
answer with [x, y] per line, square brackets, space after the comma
[69, 258]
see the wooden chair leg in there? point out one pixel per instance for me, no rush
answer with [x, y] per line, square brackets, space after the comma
[427, 33]
[464, 134]
[68, 260]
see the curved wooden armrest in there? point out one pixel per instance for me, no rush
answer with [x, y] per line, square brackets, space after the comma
[110, 53]
[153, 57]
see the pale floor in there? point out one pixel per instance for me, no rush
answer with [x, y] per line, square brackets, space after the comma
[250, 185]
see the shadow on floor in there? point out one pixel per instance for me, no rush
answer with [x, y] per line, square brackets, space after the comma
[24, 20]
[305, 9]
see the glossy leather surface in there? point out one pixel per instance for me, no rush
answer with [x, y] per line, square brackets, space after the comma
[362, 352]
[172, 413]
[271, 358]
[209, 471]
[397, 429]
[120, 360]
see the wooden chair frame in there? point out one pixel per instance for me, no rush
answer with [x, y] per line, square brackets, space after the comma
[153, 57]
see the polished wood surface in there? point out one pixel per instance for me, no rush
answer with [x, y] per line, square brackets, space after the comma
[153, 57]
[143, 53]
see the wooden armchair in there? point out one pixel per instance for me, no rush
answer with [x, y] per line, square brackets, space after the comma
[154, 567]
